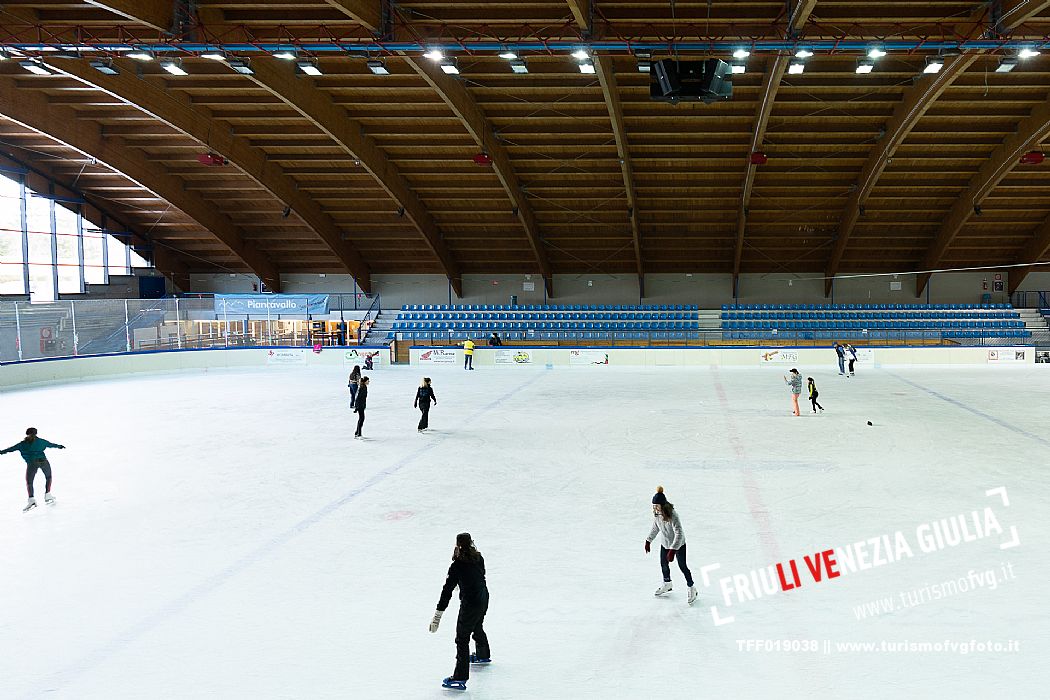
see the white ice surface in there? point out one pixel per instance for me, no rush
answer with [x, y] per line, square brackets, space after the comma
[222, 535]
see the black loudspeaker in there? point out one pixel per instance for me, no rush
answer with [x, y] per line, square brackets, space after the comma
[694, 81]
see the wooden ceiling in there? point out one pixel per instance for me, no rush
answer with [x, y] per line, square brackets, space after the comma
[362, 173]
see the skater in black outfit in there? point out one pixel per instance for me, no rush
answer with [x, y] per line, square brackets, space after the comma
[360, 404]
[354, 383]
[468, 572]
[813, 394]
[32, 451]
[424, 395]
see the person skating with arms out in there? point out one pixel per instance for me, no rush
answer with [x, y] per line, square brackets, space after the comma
[667, 523]
[32, 451]
[468, 573]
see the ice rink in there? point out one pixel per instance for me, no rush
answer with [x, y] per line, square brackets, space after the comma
[222, 535]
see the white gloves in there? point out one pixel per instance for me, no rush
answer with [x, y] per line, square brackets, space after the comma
[436, 621]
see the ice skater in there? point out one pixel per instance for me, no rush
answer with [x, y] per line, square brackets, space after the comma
[468, 572]
[359, 405]
[841, 352]
[794, 381]
[424, 395]
[468, 354]
[32, 450]
[852, 357]
[813, 394]
[667, 523]
[353, 384]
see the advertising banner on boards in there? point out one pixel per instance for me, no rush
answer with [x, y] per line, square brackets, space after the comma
[513, 357]
[438, 356]
[286, 356]
[579, 358]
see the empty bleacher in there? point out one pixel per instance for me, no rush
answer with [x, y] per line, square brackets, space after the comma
[887, 322]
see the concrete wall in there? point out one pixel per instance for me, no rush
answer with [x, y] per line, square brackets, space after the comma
[705, 290]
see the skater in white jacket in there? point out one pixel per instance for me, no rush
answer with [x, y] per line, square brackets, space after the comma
[667, 523]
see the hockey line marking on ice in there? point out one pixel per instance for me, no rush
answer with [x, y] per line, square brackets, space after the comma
[123, 639]
[998, 421]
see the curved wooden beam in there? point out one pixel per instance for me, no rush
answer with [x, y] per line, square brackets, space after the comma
[607, 78]
[156, 14]
[1029, 133]
[466, 108]
[1035, 251]
[581, 13]
[197, 122]
[799, 15]
[367, 13]
[31, 109]
[915, 102]
[277, 78]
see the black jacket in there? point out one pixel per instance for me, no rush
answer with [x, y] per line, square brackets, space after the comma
[424, 395]
[362, 398]
[470, 577]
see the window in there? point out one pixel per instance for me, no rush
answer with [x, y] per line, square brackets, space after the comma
[11, 260]
[41, 264]
[94, 257]
[67, 230]
[118, 256]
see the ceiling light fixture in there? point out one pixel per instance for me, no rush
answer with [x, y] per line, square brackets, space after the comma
[738, 67]
[35, 67]
[933, 64]
[104, 67]
[285, 54]
[508, 55]
[580, 54]
[518, 66]
[309, 67]
[214, 55]
[645, 63]
[796, 67]
[803, 53]
[434, 55]
[741, 53]
[587, 67]
[876, 52]
[173, 66]
[449, 66]
[865, 66]
[1006, 64]
[378, 66]
[1027, 52]
[241, 65]
[140, 55]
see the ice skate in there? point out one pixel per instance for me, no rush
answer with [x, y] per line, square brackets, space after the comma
[49, 499]
[30, 505]
[692, 595]
[475, 659]
[663, 590]
[453, 684]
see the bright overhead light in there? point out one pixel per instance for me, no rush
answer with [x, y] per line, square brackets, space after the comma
[140, 55]
[865, 65]
[741, 53]
[309, 67]
[104, 67]
[378, 66]
[803, 53]
[449, 67]
[1006, 64]
[285, 54]
[876, 52]
[580, 54]
[933, 64]
[1027, 53]
[645, 66]
[518, 66]
[241, 65]
[173, 66]
[508, 55]
[796, 67]
[214, 55]
[434, 55]
[738, 67]
[35, 67]
[587, 67]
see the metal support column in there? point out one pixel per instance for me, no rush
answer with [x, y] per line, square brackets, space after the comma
[73, 315]
[18, 333]
[127, 327]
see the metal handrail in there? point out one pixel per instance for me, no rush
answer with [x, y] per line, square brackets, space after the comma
[369, 318]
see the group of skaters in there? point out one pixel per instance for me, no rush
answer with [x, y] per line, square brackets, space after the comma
[467, 572]
[845, 353]
[358, 385]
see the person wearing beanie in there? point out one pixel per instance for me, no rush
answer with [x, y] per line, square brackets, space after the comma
[468, 572]
[794, 382]
[667, 523]
[32, 450]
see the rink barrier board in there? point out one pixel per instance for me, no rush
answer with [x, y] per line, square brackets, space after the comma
[87, 367]
[780, 357]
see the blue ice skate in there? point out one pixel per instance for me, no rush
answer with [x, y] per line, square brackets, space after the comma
[475, 659]
[453, 684]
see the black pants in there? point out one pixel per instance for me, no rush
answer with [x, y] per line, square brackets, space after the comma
[353, 394]
[851, 366]
[468, 362]
[666, 567]
[424, 420]
[469, 623]
[813, 400]
[360, 422]
[44, 466]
